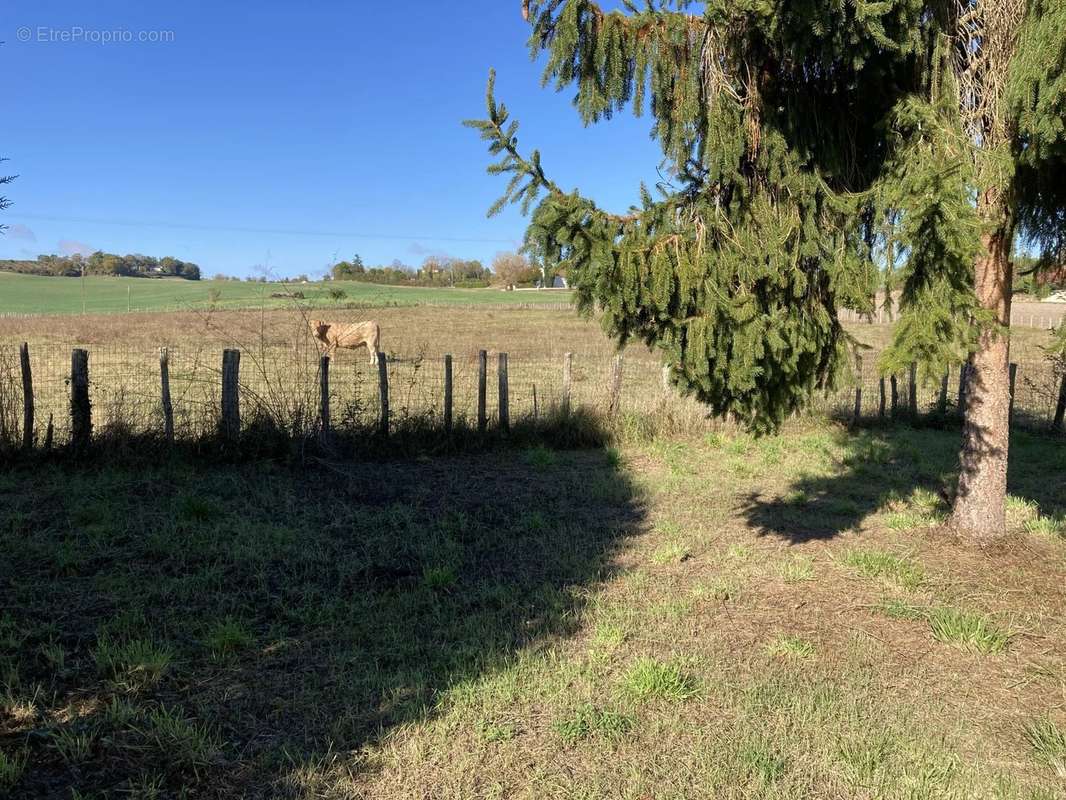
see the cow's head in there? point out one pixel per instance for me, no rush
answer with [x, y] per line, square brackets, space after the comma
[319, 329]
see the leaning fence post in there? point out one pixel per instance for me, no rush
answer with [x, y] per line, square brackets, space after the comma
[568, 380]
[942, 400]
[81, 417]
[503, 397]
[858, 389]
[323, 391]
[1060, 409]
[448, 393]
[168, 405]
[616, 386]
[881, 405]
[231, 398]
[27, 396]
[895, 395]
[383, 392]
[482, 378]
[1013, 378]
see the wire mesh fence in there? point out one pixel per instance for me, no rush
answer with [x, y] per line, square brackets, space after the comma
[283, 384]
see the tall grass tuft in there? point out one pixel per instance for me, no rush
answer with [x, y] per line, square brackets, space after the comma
[966, 629]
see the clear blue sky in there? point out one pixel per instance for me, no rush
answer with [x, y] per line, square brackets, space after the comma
[281, 133]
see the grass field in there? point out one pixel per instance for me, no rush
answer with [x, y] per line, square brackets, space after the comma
[692, 617]
[280, 359]
[35, 294]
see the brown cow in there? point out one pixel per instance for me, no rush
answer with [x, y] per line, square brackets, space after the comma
[350, 336]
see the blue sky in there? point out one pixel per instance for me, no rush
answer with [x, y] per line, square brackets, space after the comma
[281, 134]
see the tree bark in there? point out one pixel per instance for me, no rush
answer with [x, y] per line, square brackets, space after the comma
[980, 503]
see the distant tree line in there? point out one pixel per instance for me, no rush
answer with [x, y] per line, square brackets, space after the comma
[508, 269]
[101, 263]
[1031, 277]
[435, 271]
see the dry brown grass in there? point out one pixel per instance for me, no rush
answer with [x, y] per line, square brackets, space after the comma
[458, 330]
[279, 365]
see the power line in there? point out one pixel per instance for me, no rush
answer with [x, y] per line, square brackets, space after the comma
[129, 223]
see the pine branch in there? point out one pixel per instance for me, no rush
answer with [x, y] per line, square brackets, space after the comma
[528, 179]
[4, 202]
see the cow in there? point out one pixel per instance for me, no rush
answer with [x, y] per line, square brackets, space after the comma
[350, 336]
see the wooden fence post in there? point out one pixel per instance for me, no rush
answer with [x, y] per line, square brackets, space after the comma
[666, 379]
[27, 396]
[482, 380]
[81, 416]
[895, 395]
[1013, 378]
[858, 390]
[615, 400]
[383, 392]
[448, 393]
[502, 396]
[942, 400]
[568, 380]
[881, 405]
[49, 434]
[536, 408]
[231, 396]
[912, 391]
[323, 394]
[1060, 409]
[164, 393]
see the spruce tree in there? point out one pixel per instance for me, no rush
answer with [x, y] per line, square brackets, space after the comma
[803, 141]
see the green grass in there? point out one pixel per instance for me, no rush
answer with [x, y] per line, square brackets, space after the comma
[967, 629]
[12, 765]
[790, 646]
[527, 623]
[649, 679]
[227, 637]
[798, 570]
[589, 720]
[137, 662]
[1046, 526]
[36, 294]
[1048, 743]
[886, 566]
[671, 553]
[897, 609]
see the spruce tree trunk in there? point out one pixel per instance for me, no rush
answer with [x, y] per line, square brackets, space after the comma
[980, 503]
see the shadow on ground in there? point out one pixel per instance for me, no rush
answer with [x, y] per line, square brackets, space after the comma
[210, 629]
[906, 471]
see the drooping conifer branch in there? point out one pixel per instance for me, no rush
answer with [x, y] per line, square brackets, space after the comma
[804, 143]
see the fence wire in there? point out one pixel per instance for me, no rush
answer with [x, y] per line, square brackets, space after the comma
[282, 383]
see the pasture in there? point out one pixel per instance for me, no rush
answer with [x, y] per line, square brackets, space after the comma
[706, 616]
[280, 363]
[35, 294]
[678, 611]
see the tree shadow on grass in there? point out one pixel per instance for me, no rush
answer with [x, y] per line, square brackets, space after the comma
[212, 628]
[908, 472]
